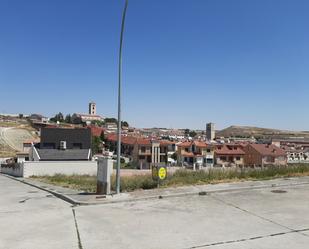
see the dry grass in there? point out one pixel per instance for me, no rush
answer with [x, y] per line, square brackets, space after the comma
[8, 124]
[6, 151]
[179, 178]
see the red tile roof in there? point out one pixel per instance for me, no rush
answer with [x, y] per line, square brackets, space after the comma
[129, 140]
[96, 131]
[200, 144]
[143, 141]
[197, 143]
[268, 150]
[165, 142]
[185, 144]
[228, 150]
[112, 137]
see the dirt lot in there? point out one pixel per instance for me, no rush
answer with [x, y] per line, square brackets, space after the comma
[11, 140]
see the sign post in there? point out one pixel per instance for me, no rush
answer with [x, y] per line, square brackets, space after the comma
[159, 173]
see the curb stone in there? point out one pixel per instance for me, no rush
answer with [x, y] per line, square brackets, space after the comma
[75, 202]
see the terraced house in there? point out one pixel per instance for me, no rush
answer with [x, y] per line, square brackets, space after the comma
[229, 155]
[264, 154]
[195, 154]
[143, 151]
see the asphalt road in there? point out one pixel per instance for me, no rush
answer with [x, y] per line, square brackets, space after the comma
[251, 219]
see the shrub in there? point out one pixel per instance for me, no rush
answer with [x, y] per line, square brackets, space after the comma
[180, 177]
[131, 183]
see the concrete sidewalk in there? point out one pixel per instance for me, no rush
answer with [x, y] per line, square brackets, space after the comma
[81, 198]
[31, 218]
[247, 215]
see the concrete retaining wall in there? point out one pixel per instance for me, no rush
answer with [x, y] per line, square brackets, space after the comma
[59, 167]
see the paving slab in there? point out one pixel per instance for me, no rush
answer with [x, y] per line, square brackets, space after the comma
[182, 222]
[286, 241]
[289, 206]
[31, 218]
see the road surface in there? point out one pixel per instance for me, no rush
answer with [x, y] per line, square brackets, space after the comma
[251, 219]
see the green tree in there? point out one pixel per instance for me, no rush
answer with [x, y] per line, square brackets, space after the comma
[102, 136]
[110, 120]
[192, 133]
[97, 123]
[174, 156]
[111, 146]
[187, 131]
[58, 117]
[68, 119]
[124, 123]
[75, 119]
[95, 144]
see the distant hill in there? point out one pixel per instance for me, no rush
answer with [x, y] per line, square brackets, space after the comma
[248, 131]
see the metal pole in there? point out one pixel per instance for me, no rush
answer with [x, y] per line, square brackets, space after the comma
[119, 100]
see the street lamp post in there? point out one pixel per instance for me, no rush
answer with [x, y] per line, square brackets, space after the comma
[119, 100]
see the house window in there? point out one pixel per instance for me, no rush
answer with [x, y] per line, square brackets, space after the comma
[143, 149]
[208, 150]
[222, 158]
[77, 145]
[238, 158]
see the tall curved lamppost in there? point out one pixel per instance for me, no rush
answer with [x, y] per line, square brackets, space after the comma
[119, 100]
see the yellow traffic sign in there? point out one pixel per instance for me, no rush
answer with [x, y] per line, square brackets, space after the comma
[159, 172]
[162, 173]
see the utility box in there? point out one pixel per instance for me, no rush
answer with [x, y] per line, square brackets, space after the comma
[104, 174]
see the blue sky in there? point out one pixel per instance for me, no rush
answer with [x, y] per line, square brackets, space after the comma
[186, 62]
